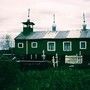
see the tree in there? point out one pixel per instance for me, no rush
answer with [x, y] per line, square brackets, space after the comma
[6, 42]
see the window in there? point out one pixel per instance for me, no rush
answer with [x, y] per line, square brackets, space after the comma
[51, 46]
[67, 46]
[83, 45]
[20, 45]
[34, 44]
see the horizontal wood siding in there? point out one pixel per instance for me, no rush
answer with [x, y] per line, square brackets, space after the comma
[42, 45]
[20, 51]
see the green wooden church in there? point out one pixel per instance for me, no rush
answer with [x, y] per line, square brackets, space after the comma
[70, 46]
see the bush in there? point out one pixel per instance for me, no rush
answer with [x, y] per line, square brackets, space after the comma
[8, 74]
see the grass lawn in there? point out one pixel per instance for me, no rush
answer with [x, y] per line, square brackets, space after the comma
[43, 78]
[62, 78]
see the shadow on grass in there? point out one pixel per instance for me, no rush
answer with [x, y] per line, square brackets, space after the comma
[45, 66]
[35, 67]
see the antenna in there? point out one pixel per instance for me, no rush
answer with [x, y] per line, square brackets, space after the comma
[28, 12]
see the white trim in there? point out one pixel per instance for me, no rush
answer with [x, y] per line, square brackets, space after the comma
[81, 43]
[26, 47]
[35, 45]
[70, 45]
[19, 45]
[48, 45]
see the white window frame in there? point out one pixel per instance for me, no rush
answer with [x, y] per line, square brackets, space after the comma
[19, 45]
[70, 45]
[48, 45]
[81, 45]
[34, 43]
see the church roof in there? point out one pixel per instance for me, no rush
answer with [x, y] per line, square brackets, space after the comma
[55, 34]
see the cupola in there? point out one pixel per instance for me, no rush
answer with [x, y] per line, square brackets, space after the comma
[53, 25]
[28, 25]
[84, 23]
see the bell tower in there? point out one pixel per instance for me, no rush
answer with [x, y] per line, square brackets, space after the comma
[28, 25]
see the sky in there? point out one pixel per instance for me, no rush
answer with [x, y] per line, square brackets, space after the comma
[68, 14]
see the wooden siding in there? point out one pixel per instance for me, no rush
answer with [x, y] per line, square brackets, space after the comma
[42, 45]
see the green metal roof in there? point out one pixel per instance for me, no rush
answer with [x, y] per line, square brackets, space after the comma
[55, 34]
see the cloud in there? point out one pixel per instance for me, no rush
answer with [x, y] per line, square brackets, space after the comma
[3, 19]
[86, 0]
[68, 13]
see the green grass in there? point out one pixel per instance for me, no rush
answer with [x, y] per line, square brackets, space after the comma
[62, 78]
[55, 79]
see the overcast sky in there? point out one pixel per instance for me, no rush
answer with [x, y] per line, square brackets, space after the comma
[68, 14]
